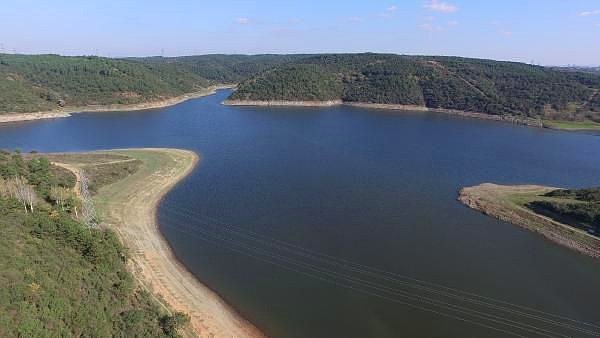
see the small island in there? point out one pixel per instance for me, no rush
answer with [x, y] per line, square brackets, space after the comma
[567, 217]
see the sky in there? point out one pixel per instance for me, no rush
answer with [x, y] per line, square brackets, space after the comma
[546, 32]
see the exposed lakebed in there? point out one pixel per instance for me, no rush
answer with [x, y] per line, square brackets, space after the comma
[369, 186]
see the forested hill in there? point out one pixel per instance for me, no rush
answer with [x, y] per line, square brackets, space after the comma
[595, 70]
[475, 85]
[41, 82]
[30, 83]
[220, 68]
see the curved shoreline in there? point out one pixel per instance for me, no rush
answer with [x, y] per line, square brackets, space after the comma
[129, 206]
[500, 202]
[399, 107]
[69, 111]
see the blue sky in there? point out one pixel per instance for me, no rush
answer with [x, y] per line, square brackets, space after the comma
[548, 32]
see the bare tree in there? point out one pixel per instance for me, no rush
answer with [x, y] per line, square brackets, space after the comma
[24, 193]
[60, 196]
[30, 196]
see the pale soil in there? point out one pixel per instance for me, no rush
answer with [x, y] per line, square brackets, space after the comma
[129, 206]
[275, 103]
[506, 203]
[68, 111]
[400, 107]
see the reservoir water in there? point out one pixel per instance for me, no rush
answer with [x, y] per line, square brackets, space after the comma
[367, 187]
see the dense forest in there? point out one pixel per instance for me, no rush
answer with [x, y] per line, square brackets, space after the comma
[580, 208]
[224, 69]
[42, 82]
[59, 278]
[30, 83]
[475, 85]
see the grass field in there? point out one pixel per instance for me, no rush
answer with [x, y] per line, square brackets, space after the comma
[572, 125]
[509, 203]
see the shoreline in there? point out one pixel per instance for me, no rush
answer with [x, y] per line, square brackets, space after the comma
[130, 207]
[501, 202]
[530, 122]
[69, 111]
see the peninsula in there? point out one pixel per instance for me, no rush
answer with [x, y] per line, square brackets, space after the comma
[128, 206]
[82, 252]
[567, 217]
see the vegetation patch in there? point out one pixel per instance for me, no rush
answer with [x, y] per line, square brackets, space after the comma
[578, 208]
[471, 85]
[573, 125]
[57, 277]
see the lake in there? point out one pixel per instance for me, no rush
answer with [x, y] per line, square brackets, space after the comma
[343, 222]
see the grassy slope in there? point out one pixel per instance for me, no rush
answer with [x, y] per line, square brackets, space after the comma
[493, 87]
[58, 278]
[573, 125]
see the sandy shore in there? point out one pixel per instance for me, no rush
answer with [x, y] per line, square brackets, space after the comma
[129, 206]
[68, 111]
[399, 107]
[507, 204]
[282, 103]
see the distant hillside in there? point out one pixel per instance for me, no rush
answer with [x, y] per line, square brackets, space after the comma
[31, 83]
[594, 70]
[220, 68]
[473, 85]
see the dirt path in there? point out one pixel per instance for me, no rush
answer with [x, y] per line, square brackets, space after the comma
[77, 172]
[129, 207]
[506, 202]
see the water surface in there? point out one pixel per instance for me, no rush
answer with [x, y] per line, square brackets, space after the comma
[372, 187]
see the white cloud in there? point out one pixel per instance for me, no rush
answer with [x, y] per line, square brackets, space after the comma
[452, 23]
[506, 32]
[440, 6]
[243, 21]
[392, 9]
[590, 13]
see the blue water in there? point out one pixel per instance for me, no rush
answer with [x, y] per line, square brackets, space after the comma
[372, 187]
